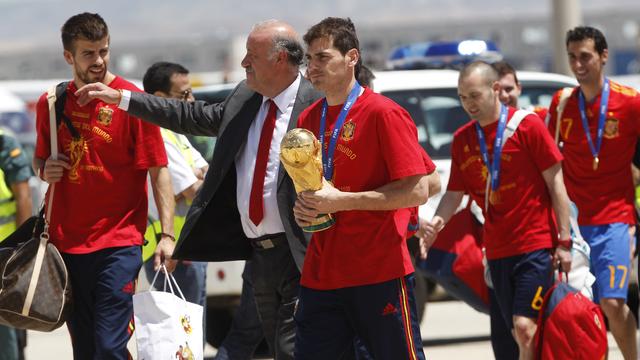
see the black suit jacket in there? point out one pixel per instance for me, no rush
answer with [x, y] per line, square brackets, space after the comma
[212, 231]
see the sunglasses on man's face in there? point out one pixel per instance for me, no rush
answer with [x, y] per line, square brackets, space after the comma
[185, 95]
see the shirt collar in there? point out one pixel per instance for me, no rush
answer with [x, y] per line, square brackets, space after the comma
[286, 97]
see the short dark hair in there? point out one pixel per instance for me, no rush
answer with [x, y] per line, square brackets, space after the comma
[158, 76]
[365, 77]
[504, 68]
[85, 26]
[581, 33]
[488, 72]
[341, 31]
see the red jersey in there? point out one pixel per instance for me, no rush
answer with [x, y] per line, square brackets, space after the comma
[520, 217]
[541, 112]
[378, 144]
[101, 202]
[605, 195]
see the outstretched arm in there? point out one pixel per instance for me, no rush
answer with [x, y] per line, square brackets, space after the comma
[197, 118]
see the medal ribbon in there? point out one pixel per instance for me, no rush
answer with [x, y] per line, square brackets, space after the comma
[604, 101]
[494, 169]
[327, 161]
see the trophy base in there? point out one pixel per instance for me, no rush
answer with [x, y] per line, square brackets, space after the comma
[322, 222]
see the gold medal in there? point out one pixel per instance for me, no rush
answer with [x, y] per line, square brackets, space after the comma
[596, 162]
[494, 197]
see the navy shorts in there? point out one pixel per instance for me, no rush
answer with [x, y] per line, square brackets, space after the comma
[382, 315]
[520, 283]
[103, 284]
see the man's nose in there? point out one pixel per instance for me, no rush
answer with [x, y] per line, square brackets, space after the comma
[245, 62]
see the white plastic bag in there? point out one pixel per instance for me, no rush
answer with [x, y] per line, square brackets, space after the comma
[167, 326]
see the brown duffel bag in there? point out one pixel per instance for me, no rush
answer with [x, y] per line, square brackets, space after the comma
[35, 291]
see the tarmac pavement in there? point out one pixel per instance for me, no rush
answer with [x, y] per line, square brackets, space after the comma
[451, 330]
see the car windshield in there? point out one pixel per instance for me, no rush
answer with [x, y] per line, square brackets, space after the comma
[438, 114]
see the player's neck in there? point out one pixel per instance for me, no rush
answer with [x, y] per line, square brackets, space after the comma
[491, 116]
[340, 93]
[591, 89]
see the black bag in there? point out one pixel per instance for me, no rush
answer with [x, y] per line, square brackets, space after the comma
[35, 289]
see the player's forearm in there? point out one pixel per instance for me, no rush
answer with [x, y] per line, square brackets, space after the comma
[22, 195]
[404, 193]
[560, 202]
[434, 183]
[163, 195]
[559, 199]
[448, 205]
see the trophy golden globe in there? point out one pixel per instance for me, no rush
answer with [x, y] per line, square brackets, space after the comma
[301, 157]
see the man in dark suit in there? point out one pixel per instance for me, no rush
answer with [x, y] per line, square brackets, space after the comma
[244, 209]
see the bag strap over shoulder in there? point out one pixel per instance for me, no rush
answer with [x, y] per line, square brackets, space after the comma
[44, 236]
[562, 103]
[513, 124]
[60, 100]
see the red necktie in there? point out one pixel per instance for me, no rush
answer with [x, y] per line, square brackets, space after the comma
[256, 200]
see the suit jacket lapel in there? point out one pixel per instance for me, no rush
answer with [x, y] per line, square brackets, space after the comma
[303, 100]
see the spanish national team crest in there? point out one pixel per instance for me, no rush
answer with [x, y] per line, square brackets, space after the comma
[611, 128]
[104, 116]
[348, 130]
[596, 319]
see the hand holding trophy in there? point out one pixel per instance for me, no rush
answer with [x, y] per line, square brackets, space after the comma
[301, 157]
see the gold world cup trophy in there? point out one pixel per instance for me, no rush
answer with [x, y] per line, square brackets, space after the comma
[301, 157]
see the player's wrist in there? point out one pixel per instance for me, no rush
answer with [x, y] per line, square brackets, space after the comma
[565, 243]
[164, 235]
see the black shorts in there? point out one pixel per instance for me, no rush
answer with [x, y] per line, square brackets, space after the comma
[520, 283]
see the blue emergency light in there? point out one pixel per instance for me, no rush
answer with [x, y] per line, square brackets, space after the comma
[438, 55]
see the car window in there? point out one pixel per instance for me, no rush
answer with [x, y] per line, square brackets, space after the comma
[536, 96]
[438, 114]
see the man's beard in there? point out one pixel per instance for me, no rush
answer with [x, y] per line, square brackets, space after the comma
[88, 77]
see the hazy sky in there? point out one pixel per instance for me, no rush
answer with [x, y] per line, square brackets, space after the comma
[25, 24]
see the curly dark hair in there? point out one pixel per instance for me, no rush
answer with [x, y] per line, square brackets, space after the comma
[581, 33]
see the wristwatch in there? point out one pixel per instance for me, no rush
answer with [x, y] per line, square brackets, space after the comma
[566, 243]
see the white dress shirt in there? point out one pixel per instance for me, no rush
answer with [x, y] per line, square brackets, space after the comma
[246, 161]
